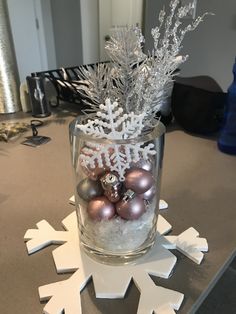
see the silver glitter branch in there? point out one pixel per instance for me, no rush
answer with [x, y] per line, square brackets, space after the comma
[96, 84]
[165, 59]
[125, 52]
[140, 82]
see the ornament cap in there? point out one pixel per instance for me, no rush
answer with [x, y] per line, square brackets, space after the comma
[129, 195]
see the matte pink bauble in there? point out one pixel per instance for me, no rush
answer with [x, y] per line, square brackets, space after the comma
[87, 189]
[149, 194]
[132, 209]
[138, 180]
[100, 208]
[143, 164]
[94, 173]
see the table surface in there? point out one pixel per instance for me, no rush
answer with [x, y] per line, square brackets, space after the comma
[199, 183]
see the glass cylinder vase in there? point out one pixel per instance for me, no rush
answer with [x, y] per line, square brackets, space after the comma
[117, 197]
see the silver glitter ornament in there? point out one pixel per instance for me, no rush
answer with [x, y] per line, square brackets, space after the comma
[87, 189]
[112, 187]
[100, 208]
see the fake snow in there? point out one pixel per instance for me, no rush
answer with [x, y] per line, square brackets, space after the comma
[119, 235]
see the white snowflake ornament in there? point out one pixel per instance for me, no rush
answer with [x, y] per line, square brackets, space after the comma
[111, 123]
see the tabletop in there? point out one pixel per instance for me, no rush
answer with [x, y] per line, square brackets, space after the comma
[198, 182]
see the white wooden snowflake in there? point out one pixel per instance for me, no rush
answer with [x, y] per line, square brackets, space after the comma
[112, 281]
[111, 123]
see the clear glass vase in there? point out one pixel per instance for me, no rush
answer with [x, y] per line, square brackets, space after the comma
[117, 215]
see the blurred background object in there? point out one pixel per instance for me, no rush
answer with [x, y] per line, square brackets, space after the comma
[9, 95]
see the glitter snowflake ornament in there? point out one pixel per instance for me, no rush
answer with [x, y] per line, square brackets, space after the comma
[111, 123]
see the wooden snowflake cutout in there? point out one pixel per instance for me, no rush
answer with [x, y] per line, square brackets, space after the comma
[112, 281]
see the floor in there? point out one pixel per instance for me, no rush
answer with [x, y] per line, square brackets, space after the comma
[222, 299]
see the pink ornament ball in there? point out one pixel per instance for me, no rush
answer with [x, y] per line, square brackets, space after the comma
[132, 209]
[112, 196]
[143, 164]
[138, 180]
[94, 173]
[87, 189]
[149, 194]
[100, 208]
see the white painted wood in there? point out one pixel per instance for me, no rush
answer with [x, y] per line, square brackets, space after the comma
[112, 281]
[117, 13]
[107, 279]
[189, 244]
[163, 204]
[44, 236]
[163, 226]
[72, 200]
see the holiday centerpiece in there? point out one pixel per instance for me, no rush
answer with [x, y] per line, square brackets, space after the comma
[117, 146]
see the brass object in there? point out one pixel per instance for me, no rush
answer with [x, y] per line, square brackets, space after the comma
[12, 130]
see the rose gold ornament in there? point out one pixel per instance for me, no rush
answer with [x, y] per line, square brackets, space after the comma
[94, 173]
[100, 208]
[143, 164]
[149, 194]
[138, 180]
[131, 207]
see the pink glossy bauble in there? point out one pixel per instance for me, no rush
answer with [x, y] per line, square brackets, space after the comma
[149, 194]
[138, 180]
[132, 209]
[100, 208]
